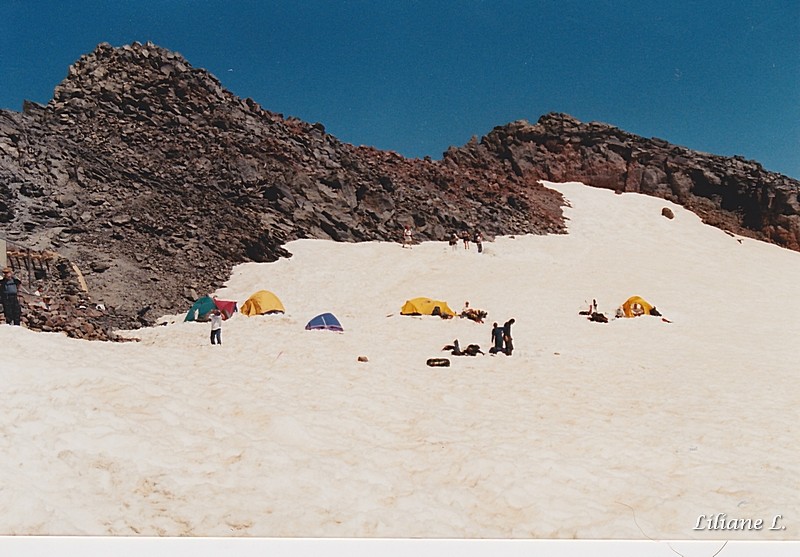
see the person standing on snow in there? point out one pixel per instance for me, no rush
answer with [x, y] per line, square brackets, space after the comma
[9, 289]
[216, 327]
[465, 238]
[453, 241]
[408, 237]
[478, 239]
[497, 339]
[507, 336]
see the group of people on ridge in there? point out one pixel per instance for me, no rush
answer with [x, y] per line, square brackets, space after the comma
[465, 237]
[476, 237]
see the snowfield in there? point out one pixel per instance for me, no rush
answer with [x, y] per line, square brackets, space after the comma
[632, 429]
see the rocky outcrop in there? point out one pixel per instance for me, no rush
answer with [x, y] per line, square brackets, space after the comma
[54, 297]
[729, 192]
[153, 180]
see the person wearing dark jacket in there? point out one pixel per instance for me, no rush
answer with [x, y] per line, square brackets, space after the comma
[497, 339]
[9, 290]
[507, 336]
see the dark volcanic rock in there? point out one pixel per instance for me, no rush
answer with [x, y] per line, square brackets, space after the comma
[729, 192]
[154, 181]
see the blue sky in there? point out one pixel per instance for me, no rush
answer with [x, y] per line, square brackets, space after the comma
[418, 76]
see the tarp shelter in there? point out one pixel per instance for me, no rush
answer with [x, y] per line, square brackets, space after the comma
[325, 322]
[262, 302]
[425, 306]
[629, 308]
[201, 309]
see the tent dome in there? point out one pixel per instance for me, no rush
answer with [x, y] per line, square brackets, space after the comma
[425, 306]
[326, 322]
[635, 306]
[262, 302]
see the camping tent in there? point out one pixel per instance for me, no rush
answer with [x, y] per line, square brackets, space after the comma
[325, 322]
[425, 306]
[630, 305]
[201, 309]
[227, 308]
[262, 302]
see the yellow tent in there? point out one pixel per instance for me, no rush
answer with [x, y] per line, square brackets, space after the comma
[635, 306]
[262, 302]
[425, 306]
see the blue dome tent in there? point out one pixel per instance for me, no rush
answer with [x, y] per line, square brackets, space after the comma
[326, 322]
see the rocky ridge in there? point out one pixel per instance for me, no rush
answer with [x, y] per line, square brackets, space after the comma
[729, 192]
[154, 181]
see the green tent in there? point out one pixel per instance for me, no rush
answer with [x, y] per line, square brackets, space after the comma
[201, 308]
